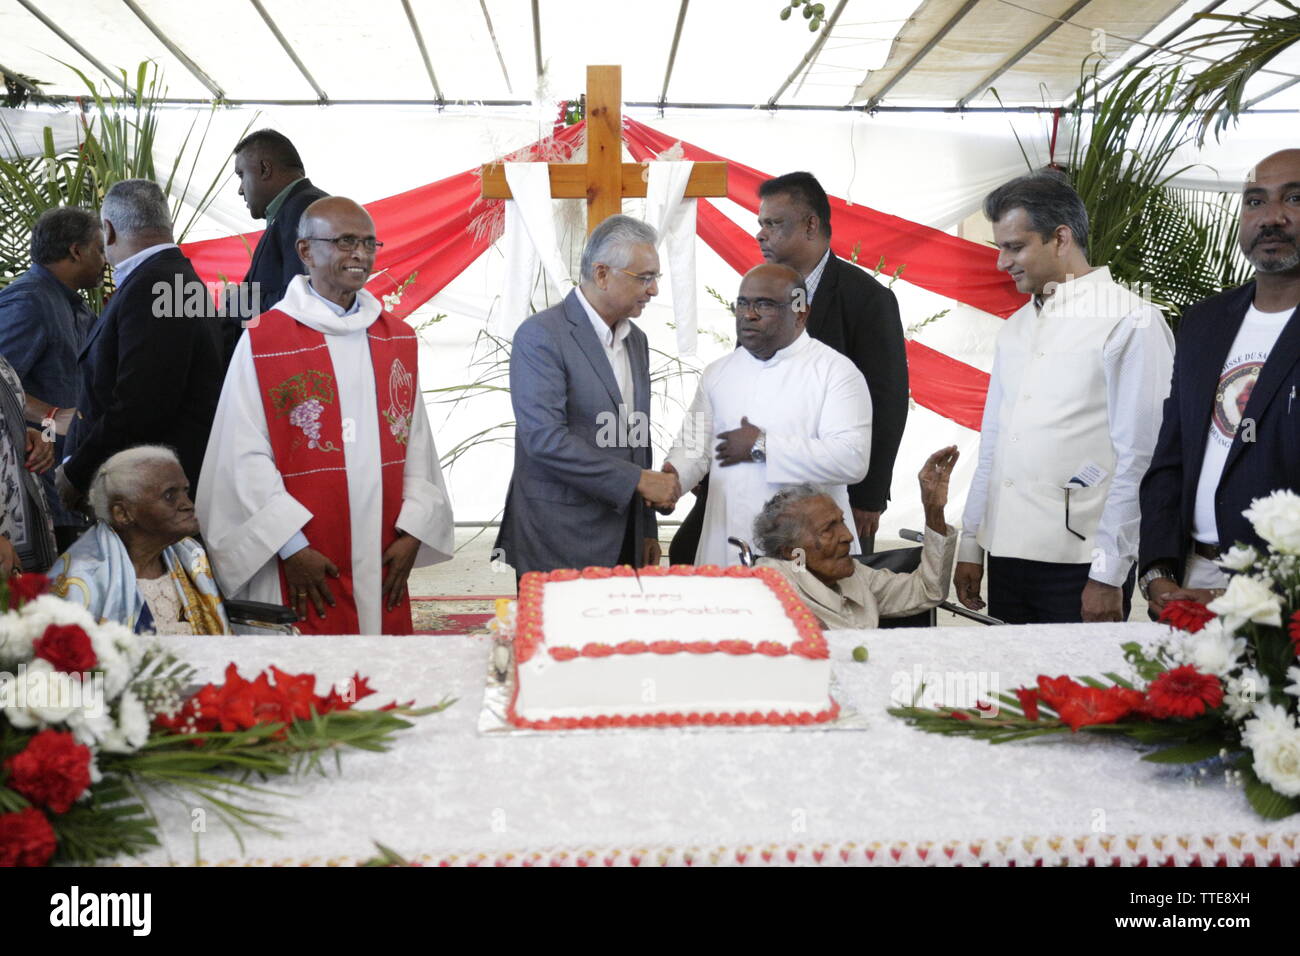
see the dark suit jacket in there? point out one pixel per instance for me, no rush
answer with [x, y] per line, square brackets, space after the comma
[275, 260]
[858, 317]
[148, 375]
[575, 475]
[1253, 468]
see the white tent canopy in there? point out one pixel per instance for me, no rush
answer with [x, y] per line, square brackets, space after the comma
[886, 53]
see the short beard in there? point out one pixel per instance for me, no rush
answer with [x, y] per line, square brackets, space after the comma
[1270, 265]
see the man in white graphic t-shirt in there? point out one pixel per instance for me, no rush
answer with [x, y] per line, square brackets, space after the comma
[1231, 428]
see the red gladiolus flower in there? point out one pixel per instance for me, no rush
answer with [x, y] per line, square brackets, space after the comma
[67, 647]
[52, 771]
[26, 838]
[1294, 629]
[1028, 701]
[1054, 690]
[1183, 692]
[26, 587]
[1189, 616]
[1086, 706]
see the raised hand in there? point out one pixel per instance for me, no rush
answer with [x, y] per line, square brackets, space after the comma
[934, 477]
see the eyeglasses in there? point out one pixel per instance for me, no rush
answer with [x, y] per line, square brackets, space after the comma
[645, 280]
[766, 308]
[348, 243]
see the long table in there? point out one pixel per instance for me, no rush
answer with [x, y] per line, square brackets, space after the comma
[887, 795]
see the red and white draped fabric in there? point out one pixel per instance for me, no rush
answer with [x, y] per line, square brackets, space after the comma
[434, 232]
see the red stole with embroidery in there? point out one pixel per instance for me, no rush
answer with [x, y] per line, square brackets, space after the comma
[300, 399]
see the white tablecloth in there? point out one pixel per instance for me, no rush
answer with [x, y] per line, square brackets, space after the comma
[890, 794]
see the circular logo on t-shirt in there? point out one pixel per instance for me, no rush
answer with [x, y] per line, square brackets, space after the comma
[1233, 395]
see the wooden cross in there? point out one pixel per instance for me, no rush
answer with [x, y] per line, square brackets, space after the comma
[604, 180]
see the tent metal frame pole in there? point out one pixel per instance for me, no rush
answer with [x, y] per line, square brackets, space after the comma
[638, 104]
[1024, 51]
[672, 53]
[424, 53]
[1151, 49]
[1273, 92]
[922, 53]
[86, 54]
[822, 36]
[212, 86]
[266, 18]
[537, 38]
[487, 18]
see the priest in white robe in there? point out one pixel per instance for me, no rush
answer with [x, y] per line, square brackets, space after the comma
[321, 487]
[783, 408]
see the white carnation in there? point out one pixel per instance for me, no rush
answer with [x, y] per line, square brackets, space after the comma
[1238, 558]
[40, 695]
[1276, 519]
[1270, 720]
[132, 728]
[1293, 675]
[1244, 692]
[91, 722]
[1247, 599]
[1213, 649]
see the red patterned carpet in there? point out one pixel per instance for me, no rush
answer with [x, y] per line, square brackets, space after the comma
[452, 615]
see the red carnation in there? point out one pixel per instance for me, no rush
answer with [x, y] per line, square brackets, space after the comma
[67, 647]
[1028, 702]
[1183, 692]
[26, 587]
[1189, 616]
[52, 771]
[26, 838]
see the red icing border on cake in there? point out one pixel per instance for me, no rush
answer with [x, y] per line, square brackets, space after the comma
[529, 639]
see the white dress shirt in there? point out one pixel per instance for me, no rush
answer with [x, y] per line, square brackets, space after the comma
[1137, 364]
[614, 342]
[127, 265]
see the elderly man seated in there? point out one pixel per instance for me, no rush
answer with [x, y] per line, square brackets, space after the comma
[802, 532]
[138, 565]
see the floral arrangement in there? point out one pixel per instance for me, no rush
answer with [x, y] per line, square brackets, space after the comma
[94, 718]
[1222, 687]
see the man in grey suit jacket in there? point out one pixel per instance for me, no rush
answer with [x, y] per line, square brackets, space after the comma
[582, 493]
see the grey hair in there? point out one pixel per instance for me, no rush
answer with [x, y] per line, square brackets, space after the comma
[121, 477]
[776, 530]
[1048, 201]
[136, 206]
[611, 244]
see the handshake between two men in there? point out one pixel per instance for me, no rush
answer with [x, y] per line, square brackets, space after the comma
[662, 489]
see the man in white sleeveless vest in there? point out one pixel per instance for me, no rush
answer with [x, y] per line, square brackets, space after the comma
[1079, 376]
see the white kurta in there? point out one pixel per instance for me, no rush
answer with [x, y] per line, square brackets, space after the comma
[247, 515]
[814, 406]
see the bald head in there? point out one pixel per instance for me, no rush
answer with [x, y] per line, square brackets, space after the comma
[1270, 215]
[336, 242]
[771, 309]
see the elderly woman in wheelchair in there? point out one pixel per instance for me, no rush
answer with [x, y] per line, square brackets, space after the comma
[803, 535]
[139, 564]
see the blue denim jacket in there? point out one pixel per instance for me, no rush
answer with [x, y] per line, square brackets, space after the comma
[42, 326]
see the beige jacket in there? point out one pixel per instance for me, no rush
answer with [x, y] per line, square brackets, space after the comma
[862, 599]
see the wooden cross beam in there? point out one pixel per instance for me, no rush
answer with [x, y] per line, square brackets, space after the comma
[604, 180]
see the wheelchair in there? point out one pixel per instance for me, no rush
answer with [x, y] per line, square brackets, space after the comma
[901, 561]
[257, 618]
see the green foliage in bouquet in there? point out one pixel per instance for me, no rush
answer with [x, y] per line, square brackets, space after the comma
[1224, 684]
